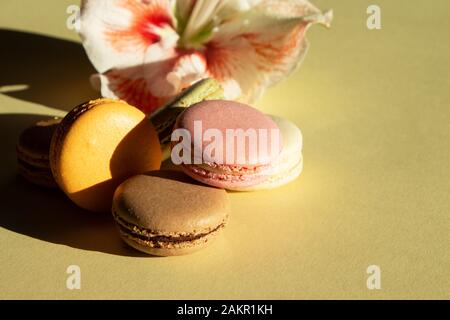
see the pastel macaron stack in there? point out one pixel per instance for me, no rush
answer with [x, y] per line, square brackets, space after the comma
[268, 170]
[289, 164]
[100, 156]
[105, 155]
[33, 151]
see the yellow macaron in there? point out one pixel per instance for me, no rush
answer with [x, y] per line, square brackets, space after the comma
[97, 146]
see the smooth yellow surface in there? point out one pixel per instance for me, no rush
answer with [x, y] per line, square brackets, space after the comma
[96, 149]
[374, 108]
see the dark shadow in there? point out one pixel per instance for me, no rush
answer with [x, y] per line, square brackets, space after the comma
[47, 214]
[179, 176]
[55, 72]
[168, 165]
[124, 153]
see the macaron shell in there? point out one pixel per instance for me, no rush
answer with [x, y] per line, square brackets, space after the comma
[222, 116]
[278, 180]
[39, 177]
[292, 136]
[34, 142]
[170, 250]
[99, 145]
[285, 177]
[169, 203]
[164, 119]
[289, 164]
[291, 153]
[166, 213]
[223, 180]
[35, 160]
[33, 151]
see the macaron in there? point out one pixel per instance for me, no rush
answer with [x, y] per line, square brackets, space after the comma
[166, 213]
[289, 164]
[165, 117]
[33, 151]
[97, 146]
[226, 144]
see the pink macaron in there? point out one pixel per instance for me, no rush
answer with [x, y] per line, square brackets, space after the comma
[226, 144]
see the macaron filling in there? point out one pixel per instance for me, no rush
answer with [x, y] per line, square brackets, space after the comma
[156, 239]
[34, 168]
[209, 172]
[31, 161]
[33, 150]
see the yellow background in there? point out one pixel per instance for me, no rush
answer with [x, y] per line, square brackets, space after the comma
[374, 107]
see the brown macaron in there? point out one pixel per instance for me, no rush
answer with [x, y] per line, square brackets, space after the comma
[33, 151]
[166, 213]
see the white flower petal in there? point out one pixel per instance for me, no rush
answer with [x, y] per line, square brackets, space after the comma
[138, 85]
[242, 5]
[188, 69]
[123, 33]
[145, 56]
[262, 46]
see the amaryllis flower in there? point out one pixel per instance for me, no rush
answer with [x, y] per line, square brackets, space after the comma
[147, 51]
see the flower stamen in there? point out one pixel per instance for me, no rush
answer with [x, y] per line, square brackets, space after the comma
[201, 22]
